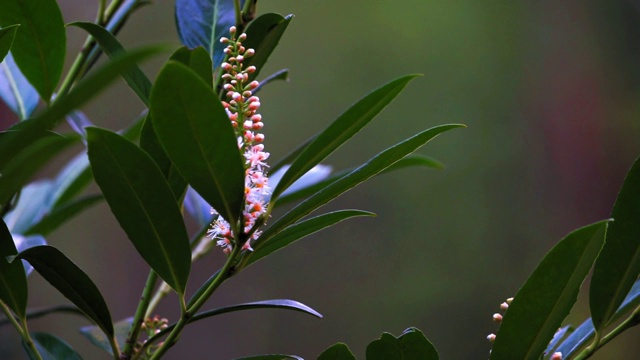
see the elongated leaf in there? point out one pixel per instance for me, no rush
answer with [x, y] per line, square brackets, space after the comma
[339, 351]
[6, 40]
[52, 348]
[203, 23]
[71, 282]
[40, 42]
[543, 302]
[263, 35]
[317, 175]
[136, 79]
[197, 60]
[374, 166]
[412, 344]
[271, 357]
[583, 334]
[341, 130]
[25, 242]
[31, 207]
[62, 214]
[300, 230]
[196, 133]
[15, 90]
[13, 281]
[97, 338]
[143, 204]
[618, 265]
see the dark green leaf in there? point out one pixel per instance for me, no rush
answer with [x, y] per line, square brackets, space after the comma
[263, 35]
[16, 91]
[298, 231]
[271, 357]
[136, 79]
[203, 23]
[618, 264]
[374, 166]
[339, 351]
[98, 339]
[40, 42]
[6, 40]
[543, 302]
[196, 133]
[197, 60]
[13, 280]
[412, 344]
[51, 348]
[143, 204]
[341, 130]
[25, 242]
[62, 214]
[71, 282]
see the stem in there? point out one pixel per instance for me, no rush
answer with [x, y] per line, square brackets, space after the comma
[26, 337]
[10, 317]
[139, 316]
[601, 341]
[102, 4]
[238, 12]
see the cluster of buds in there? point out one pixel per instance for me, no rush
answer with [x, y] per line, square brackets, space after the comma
[242, 106]
[497, 317]
[151, 326]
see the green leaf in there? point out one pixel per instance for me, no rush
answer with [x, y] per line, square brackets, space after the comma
[16, 91]
[271, 357]
[341, 130]
[143, 204]
[196, 133]
[71, 282]
[412, 344]
[339, 351]
[618, 265]
[40, 42]
[263, 35]
[98, 339]
[136, 79]
[51, 348]
[6, 39]
[197, 60]
[298, 231]
[374, 166]
[13, 280]
[62, 214]
[546, 298]
[29, 160]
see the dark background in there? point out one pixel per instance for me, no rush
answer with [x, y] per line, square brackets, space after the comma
[550, 93]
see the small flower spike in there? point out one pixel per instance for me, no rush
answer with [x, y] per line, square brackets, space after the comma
[242, 106]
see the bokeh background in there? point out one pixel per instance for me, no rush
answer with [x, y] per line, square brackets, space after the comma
[550, 93]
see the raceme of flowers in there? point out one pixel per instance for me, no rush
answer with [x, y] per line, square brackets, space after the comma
[241, 106]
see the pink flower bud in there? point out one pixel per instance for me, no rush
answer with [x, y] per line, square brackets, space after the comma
[228, 87]
[491, 337]
[249, 53]
[253, 85]
[239, 58]
[239, 77]
[247, 125]
[556, 356]
[224, 40]
[504, 306]
[254, 105]
[497, 317]
[259, 138]
[242, 37]
[236, 96]
[253, 98]
[246, 94]
[256, 118]
[232, 30]
[226, 66]
[258, 125]
[251, 69]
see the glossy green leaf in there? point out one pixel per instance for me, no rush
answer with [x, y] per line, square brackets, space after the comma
[97, 337]
[546, 298]
[136, 79]
[339, 351]
[62, 214]
[51, 348]
[374, 166]
[143, 204]
[341, 130]
[15, 90]
[6, 40]
[197, 60]
[13, 280]
[618, 265]
[40, 42]
[196, 133]
[71, 282]
[412, 344]
[263, 35]
[27, 162]
[271, 357]
[203, 23]
[298, 231]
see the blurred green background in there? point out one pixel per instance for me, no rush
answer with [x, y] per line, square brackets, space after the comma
[550, 92]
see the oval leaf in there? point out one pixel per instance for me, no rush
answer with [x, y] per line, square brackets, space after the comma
[341, 130]
[51, 348]
[543, 302]
[618, 265]
[40, 42]
[6, 40]
[339, 351]
[197, 60]
[71, 282]
[15, 90]
[196, 133]
[412, 344]
[143, 204]
[13, 280]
